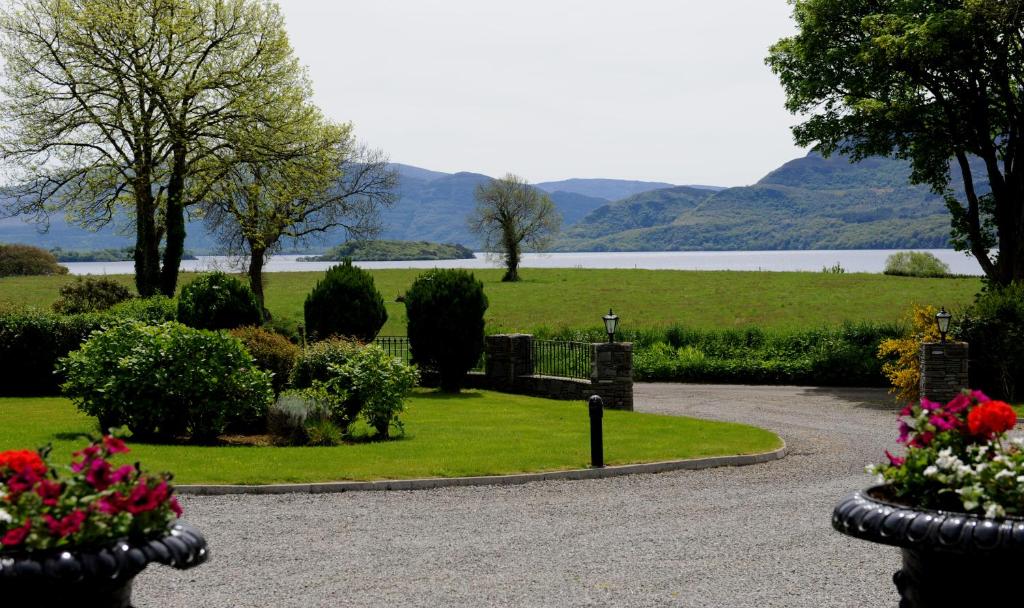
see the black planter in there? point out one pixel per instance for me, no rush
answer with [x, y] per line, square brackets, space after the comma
[949, 559]
[94, 578]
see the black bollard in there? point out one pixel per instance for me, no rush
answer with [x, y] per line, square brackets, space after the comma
[596, 432]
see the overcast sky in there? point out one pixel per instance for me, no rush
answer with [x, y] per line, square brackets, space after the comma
[666, 90]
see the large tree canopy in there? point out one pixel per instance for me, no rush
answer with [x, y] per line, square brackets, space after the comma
[109, 103]
[938, 82]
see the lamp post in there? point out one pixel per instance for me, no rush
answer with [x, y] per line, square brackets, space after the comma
[942, 320]
[611, 322]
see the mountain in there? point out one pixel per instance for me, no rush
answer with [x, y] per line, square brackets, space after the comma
[609, 189]
[808, 203]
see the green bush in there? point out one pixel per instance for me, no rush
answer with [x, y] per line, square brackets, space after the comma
[292, 415]
[167, 381]
[345, 303]
[272, 352]
[31, 343]
[218, 301]
[314, 362]
[446, 310]
[915, 264]
[25, 260]
[994, 329]
[153, 310]
[90, 295]
[379, 383]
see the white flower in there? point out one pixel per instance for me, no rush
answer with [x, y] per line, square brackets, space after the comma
[5, 517]
[994, 510]
[1004, 473]
[931, 471]
[870, 469]
[947, 461]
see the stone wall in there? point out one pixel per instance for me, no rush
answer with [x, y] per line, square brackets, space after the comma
[943, 370]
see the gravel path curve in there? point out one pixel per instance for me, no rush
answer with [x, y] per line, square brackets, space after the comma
[756, 536]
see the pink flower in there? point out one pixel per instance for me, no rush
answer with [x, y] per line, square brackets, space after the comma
[940, 423]
[15, 537]
[929, 406]
[98, 474]
[895, 461]
[114, 445]
[122, 474]
[66, 526]
[176, 507]
[49, 491]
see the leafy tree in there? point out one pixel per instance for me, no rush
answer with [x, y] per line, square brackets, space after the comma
[937, 82]
[511, 213]
[345, 303]
[26, 260]
[109, 103]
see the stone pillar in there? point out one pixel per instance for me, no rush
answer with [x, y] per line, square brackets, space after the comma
[506, 357]
[943, 370]
[611, 374]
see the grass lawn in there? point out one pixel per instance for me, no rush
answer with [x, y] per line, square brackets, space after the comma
[642, 298]
[476, 433]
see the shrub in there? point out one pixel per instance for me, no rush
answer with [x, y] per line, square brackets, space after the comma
[167, 381]
[31, 343]
[903, 355]
[446, 310]
[25, 260]
[153, 310]
[314, 361]
[90, 295]
[915, 264]
[994, 329]
[272, 352]
[218, 301]
[379, 383]
[291, 416]
[345, 303]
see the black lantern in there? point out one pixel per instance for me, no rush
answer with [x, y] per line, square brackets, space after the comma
[942, 320]
[611, 322]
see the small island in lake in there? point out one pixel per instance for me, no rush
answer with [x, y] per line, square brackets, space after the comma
[393, 251]
[124, 254]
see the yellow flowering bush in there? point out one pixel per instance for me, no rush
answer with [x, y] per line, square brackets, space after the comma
[903, 355]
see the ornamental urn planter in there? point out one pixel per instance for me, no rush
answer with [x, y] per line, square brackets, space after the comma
[949, 558]
[96, 577]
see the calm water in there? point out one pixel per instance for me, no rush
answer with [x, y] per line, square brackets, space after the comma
[861, 260]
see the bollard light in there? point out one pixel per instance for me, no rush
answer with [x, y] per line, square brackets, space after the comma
[611, 322]
[942, 320]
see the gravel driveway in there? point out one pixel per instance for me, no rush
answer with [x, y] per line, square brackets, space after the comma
[756, 536]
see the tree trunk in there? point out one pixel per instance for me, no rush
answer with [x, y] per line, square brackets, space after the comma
[512, 256]
[256, 258]
[147, 241]
[175, 224]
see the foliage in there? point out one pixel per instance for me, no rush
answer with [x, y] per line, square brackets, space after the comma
[915, 264]
[445, 311]
[958, 457]
[90, 294]
[31, 343]
[94, 505]
[25, 260]
[345, 303]
[154, 309]
[994, 329]
[386, 251]
[887, 78]
[167, 381]
[293, 413]
[314, 362]
[123, 254]
[272, 353]
[835, 269]
[902, 355]
[102, 110]
[376, 381]
[511, 215]
[218, 301]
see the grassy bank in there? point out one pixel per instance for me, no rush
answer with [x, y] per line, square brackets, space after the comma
[476, 433]
[557, 298]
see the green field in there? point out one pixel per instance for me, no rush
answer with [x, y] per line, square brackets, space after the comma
[557, 298]
[475, 433]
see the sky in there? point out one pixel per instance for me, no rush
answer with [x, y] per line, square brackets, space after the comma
[661, 90]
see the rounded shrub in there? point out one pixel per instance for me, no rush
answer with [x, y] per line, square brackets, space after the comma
[314, 362]
[445, 309]
[345, 303]
[994, 329]
[26, 260]
[218, 301]
[167, 381]
[31, 344]
[915, 264]
[90, 294]
[292, 417]
[153, 310]
[272, 352]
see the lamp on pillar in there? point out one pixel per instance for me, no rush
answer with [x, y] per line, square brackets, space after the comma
[942, 320]
[611, 322]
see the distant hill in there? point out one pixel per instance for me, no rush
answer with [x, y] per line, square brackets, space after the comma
[392, 251]
[609, 189]
[808, 203]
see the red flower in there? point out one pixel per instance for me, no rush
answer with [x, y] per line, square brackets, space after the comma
[895, 461]
[143, 499]
[67, 525]
[175, 506]
[49, 491]
[114, 445]
[16, 461]
[15, 537]
[990, 419]
[22, 482]
[98, 474]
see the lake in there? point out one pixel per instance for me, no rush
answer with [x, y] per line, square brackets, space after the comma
[859, 260]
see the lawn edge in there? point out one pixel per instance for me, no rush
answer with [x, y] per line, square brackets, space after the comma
[337, 487]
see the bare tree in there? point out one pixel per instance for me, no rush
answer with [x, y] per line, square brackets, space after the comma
[510, 216]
